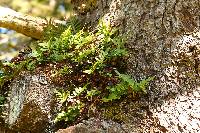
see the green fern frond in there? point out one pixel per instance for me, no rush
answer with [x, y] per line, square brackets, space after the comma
[54, 30]
[74, 23]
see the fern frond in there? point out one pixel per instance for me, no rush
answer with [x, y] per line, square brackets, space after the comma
[53, 29]
[74, 23]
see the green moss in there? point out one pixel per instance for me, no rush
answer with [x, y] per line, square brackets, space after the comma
[124, 109]
[114, 112]
[31, 116]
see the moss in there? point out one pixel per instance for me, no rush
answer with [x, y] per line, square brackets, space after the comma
[32, 119]
[115, 113]
[125, 109]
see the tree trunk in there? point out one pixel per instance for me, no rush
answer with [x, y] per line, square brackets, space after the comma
[163, 38]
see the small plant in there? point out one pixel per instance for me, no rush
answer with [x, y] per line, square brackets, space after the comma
[71, 113]
[73, 105]
[126, 85]
[87, 65]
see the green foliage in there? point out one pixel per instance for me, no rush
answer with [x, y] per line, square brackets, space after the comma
[71, 113]
[85, 64]
[92, 93]
[31, 65]
[62, 95]
[8, 70]
[141, 86]
[89, 54]
[2, 99]
[53, 30]
[73, 110]
[126, 85]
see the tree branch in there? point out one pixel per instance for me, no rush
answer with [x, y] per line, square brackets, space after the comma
[25, 24]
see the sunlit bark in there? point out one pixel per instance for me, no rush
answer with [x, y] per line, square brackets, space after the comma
[25, 24]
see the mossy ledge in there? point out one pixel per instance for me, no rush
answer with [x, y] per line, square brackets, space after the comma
[86, 65]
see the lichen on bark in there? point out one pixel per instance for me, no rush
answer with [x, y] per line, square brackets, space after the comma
[31, 103]
[163, 41]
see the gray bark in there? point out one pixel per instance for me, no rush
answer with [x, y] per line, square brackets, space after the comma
[31, 104]
[163, 38]
[163, 41]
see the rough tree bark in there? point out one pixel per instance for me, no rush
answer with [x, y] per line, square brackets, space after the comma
[163, 38]
[163, 41]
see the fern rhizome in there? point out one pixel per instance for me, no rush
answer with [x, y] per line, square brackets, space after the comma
[87, 65]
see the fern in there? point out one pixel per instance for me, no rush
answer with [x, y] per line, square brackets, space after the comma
[144, 83]
[115, 92]
[71, 113]
[78, 90]
[122, 88]
[54, 30]
[84, 63]
[74, 23]
[62, 95]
